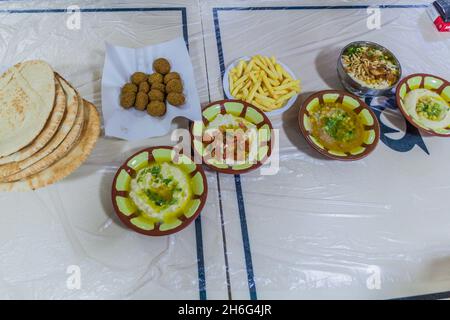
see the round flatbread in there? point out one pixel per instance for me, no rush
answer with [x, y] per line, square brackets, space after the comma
[59, 152]
[46, 134]
[62, 117]
[65, 166]
[27, 96]
[71, 101]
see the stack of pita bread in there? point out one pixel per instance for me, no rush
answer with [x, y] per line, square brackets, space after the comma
[46, 129]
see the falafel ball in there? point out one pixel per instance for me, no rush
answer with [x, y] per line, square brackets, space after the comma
[156, 108]
[156, 95]
[127, 99]
[159, 86]
[141, 101]
[174, 85]
[155, 78]
[176, 99]
[170, 76]
[161, 65]
[144, 87]
[138, 77]
[130, 87]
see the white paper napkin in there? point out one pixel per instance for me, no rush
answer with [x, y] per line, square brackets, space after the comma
[120, 64]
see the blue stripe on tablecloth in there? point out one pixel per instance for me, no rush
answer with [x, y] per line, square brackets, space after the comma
[239, 193]
[198, 225]
[237, 181]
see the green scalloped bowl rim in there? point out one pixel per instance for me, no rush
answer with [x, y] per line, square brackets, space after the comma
[419, 80]
[237, 108]
[123, 206]
[372, 127]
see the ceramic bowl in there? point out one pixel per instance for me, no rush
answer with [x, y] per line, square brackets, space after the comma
[425, 81]
[125, 207]
[240, 109]
[366, 115]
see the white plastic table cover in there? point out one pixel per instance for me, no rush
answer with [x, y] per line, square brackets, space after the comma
[318, 229]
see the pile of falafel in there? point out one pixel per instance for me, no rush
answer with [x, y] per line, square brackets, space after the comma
[150, 92]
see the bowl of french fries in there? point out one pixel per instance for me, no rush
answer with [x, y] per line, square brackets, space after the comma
[262, 81]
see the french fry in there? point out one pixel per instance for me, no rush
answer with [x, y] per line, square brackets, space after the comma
[274, 60]
[260, 59]
[249, 67]
[286, 96]
[283, 72]
[240, 68]
[280, 93]
[274, 83]
[252, 92]
[261, 90]
[288, 85]
[244, 92]
[272, 68]
[264, 68]
[237, 88]
[241, 80]
[247, 85]
[231, 82]
[265, 99]
[267, 83]
[252, 76]
[278, 105]
[260, 106]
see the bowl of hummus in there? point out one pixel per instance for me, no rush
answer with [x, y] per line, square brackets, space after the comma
[158, 191]
[424, 100]
[234, 137]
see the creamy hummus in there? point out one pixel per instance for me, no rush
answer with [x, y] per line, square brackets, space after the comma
[160, 190]
[428, 108]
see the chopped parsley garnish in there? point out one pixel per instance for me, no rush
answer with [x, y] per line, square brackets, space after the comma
[157, 198]
[352, 50]
[155, 170]
[339, 126]
[429, 109]
[160, 190]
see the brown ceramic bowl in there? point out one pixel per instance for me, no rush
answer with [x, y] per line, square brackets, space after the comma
[366, 115]
[125, 208]
[240, 109]
[426, 81]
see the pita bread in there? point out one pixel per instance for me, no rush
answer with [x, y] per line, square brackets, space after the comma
[63, 130]
[27, 96]
[60, 151]
[65, 166]
[46, 134]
